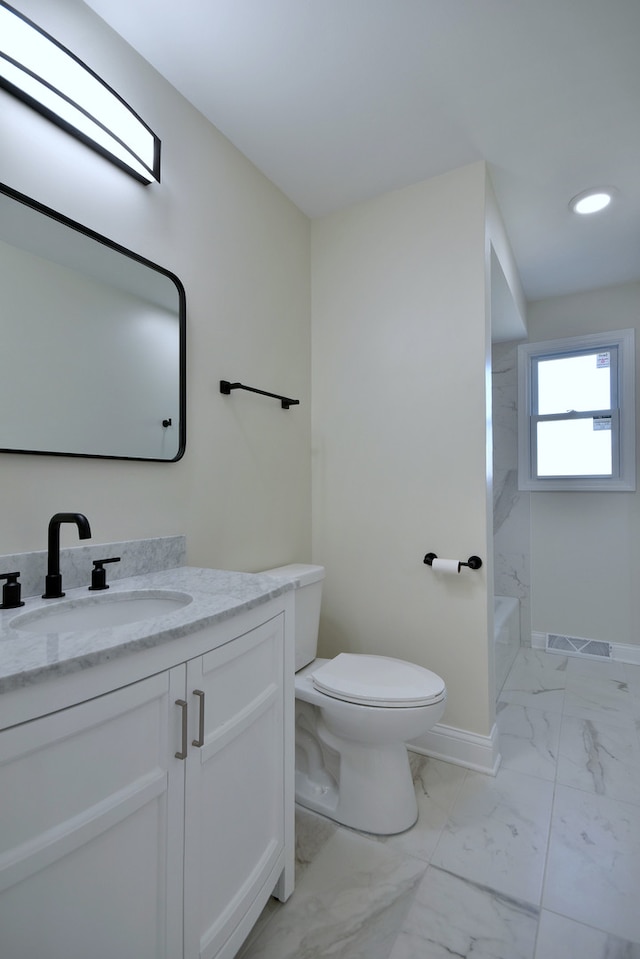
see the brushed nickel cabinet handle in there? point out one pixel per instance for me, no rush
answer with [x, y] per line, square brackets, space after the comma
[200, 740]
[183, 706]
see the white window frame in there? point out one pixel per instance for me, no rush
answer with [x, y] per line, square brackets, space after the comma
[624, 454]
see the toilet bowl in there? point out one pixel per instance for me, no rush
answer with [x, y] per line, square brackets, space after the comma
[354, 714]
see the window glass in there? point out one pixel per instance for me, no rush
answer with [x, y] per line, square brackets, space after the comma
[574, 383]
[576, 413]
[579, 447]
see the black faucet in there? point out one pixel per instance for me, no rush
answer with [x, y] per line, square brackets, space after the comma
[53, 579]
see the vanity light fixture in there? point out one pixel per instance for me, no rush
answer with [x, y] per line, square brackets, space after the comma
[591, 201]
[51, 79]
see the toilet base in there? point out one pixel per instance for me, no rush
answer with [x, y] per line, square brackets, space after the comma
[374, 791]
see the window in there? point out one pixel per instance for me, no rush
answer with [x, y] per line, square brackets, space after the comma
[576, 413]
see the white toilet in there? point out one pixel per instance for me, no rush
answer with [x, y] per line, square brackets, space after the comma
[354, 714]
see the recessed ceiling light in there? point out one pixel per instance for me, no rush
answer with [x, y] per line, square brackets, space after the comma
[591, 201]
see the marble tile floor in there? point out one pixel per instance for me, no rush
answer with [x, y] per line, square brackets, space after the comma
[541, 861]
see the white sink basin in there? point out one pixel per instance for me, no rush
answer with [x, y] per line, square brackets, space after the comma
[102, 612]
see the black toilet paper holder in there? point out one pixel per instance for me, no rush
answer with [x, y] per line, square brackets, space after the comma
[474, 562]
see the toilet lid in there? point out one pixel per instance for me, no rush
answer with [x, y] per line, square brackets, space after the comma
[378, 681]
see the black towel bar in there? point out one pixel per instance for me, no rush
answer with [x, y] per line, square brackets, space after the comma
[226, 387]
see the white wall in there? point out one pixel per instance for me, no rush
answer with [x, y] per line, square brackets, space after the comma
[242, 491]
[400, 373]
[585, 547]
[399, 350]
[507, 301]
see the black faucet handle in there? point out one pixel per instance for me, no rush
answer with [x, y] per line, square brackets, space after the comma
[99, 573]
[11, 591]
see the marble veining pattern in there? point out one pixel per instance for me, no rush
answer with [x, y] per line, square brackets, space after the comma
[347, 906]
[593, 867]
[497, 833]
[454, 917]
[136, 557]
[599, 757]
[562, 938]
[215, 595]
[537, 679]
[529, 739]
[540, 862]
[609, 696]
[511, 506]
[506, 498]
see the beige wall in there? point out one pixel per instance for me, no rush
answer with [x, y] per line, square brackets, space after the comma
[399, 349]
[585, 547]
[242, 492]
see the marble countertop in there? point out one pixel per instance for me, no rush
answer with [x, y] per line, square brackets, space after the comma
[27, 658]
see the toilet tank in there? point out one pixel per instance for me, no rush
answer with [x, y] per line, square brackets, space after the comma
[308, 595]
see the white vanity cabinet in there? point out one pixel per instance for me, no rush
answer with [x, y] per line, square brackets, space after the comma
[126, 833]
[234, 795]
[88, 860]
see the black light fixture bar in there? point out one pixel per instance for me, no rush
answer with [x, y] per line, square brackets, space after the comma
[52, 80]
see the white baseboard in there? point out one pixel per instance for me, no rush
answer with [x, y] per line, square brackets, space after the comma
[623, 653]
[461, 747]
[620, 652]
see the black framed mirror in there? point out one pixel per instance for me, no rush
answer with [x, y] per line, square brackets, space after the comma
[92, 342]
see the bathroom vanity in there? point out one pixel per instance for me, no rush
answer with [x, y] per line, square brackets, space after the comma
[146, 770]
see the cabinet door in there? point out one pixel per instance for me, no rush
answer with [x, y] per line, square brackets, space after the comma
[88, 864]
[234, 797]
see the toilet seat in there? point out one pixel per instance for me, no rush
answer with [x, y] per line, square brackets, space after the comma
[378, 681]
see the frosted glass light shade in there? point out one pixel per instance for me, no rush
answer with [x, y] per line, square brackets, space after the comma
[591, 201]
[51, 79]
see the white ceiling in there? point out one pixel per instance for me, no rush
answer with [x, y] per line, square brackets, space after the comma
[340, 100]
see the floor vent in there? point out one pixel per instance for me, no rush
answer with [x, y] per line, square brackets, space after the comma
[573, 646]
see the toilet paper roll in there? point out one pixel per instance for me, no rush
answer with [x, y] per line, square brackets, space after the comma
[448, 566]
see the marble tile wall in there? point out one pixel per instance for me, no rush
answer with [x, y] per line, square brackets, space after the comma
[76, 562]
[511, 507]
